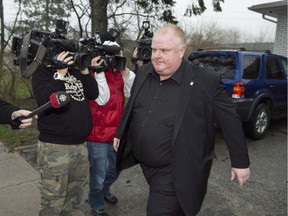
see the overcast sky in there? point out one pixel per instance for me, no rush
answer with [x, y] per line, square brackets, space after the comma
[235, 14]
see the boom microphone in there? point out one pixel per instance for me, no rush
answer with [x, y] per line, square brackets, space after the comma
[57, 100]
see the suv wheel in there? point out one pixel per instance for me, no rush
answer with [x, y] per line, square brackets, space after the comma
[259, 123]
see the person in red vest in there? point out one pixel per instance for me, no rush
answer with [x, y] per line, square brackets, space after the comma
[114, 85]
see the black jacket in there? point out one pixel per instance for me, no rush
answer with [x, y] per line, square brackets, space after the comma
[72, 123]
[6, 110]
[203, 99]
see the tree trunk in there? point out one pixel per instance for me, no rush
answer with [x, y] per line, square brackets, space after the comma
[2, 38]
[99, 20]
[2, 26]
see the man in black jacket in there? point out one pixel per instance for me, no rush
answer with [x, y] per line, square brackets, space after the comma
[9, 112]
[168, 127]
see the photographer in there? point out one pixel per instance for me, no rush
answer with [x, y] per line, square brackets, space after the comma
[107, 110]
[62, 154]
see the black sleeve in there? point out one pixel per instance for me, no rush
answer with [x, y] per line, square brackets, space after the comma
[6, 110]
[90, 86]
[231, 126]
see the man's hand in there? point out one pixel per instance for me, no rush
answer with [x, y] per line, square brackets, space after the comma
[116, 143]
[24, 122]
[125, 72]
[242, 175]
[67, 59]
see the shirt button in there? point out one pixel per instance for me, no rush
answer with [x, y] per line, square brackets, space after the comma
[149, 111]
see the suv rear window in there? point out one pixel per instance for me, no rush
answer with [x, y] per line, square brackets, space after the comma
[273, 69]
[251, 67]
[223, 64]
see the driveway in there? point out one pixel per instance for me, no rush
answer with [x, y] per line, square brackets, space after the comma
[265, 194]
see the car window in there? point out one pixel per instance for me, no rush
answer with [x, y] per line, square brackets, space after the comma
[222, 64]
[273, 69]
[251, 66]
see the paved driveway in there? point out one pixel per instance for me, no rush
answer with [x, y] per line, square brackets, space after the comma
[264, 195]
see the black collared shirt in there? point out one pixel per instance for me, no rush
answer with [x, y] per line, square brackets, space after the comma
[153, 118]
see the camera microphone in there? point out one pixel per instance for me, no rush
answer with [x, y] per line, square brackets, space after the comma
[106, 36]
[57, 100]
[69, 45]
[111, 50]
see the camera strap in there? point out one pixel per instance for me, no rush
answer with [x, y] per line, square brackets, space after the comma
[28, 71]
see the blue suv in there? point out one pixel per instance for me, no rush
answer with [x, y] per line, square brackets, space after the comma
[256, 81]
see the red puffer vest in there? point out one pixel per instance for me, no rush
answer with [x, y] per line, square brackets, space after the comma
[106, 118]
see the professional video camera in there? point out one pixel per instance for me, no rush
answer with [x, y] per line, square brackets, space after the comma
[40, 47]
[103, 45]
[144, 43]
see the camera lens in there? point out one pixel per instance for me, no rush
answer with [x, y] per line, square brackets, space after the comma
[146, 52]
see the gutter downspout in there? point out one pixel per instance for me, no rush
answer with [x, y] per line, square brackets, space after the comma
[265, 18]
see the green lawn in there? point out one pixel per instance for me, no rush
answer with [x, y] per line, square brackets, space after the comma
[16, 138]
[18, 94]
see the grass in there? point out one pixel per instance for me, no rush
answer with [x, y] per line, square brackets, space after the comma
[22, 98]
[21, 137]
[17, 138]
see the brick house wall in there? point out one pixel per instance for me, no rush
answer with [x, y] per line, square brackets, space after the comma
[280, 44]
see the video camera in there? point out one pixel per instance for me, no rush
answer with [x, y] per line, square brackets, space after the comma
[144, 43]
[103, 45]
[41, 47]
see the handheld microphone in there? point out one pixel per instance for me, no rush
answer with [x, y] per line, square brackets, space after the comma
[57, 100]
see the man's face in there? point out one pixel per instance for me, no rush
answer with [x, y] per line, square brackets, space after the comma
[167, 54]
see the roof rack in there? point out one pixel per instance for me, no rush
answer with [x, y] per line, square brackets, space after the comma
[222, 47]
[265, 51]
[232, 48]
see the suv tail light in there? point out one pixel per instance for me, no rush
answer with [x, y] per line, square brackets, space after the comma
[238, 90]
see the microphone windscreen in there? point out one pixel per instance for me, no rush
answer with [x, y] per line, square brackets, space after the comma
[68, 45]
[106, 36]
[111, 50]
[59, 99]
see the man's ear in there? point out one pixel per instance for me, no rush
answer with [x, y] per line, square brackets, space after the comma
[182, 51]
